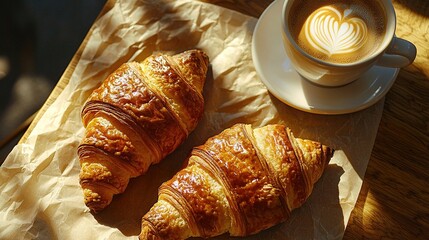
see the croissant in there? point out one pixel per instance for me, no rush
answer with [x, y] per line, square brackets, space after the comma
[141, 113]
[241, 181]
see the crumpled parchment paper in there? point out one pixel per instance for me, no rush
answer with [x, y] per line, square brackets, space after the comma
[40, 193]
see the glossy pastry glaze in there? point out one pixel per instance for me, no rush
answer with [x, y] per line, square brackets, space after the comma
[241, 181]
[128, 92]
[275, 145]
[140, 113]
[185, 100]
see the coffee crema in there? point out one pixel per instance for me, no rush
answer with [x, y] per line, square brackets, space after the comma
[338, 31]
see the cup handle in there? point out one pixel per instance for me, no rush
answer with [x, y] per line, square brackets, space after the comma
[400, 53]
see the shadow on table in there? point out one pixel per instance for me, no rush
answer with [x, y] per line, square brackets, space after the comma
[37, 41]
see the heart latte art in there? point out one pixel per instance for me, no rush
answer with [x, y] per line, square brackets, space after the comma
[333, 32]
[337, 31]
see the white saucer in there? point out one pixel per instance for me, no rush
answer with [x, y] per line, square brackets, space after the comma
[275, 70]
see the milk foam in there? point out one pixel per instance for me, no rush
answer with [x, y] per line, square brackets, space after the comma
[331, 31]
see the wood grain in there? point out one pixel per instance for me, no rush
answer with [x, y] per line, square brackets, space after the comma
[249, 7]
[394, 200]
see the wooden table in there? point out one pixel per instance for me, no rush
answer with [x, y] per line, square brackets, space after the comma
[394, 200]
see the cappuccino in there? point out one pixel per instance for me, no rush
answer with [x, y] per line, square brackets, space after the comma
[343, 31]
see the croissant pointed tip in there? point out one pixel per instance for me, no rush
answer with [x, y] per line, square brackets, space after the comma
[194, 65]
[96, 201]
[148, 233]
[328, 153]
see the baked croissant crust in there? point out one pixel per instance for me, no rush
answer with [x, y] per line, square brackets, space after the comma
[141, 112]
[241, 181]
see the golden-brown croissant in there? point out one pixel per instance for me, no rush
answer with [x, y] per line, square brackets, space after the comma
[139, 114]
[241, 181]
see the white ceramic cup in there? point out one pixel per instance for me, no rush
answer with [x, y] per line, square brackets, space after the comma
[392, 52]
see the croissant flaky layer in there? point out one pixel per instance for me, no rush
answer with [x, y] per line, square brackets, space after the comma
[241, 181]
[141, 112]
